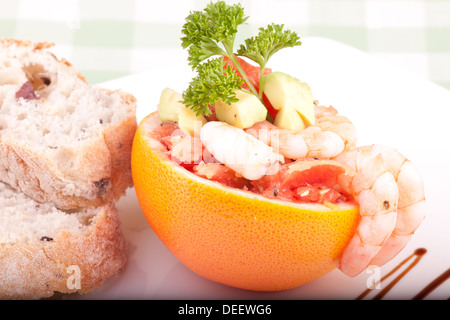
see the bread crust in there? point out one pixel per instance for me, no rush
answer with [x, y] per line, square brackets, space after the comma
[38, 269]
[91, 176]
[105, 170]
[119, 140]
[101, 170]
[24, 43]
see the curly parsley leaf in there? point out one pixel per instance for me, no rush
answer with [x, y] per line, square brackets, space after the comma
[212, 32]
[269, 41]
[214, 82]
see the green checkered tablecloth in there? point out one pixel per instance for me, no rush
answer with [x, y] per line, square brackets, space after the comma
[105, 39]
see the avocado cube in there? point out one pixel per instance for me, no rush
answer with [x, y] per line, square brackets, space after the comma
[244, 113]
[285, 91]
[288, 118]
[169, 105]
[189, 122]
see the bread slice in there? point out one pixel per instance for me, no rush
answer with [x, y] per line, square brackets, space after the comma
[62, 140]
[44, 250]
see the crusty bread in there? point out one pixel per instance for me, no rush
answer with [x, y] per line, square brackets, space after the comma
[44, 250]
[62, 140]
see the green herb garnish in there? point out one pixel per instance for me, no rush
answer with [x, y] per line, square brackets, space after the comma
[213, 82]
[212, 32]
[269, 41]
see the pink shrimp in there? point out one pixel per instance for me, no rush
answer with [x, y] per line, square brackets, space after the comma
[391, 197]
[330, 136]
[241, 152]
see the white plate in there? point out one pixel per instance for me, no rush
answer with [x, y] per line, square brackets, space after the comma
[387, 105]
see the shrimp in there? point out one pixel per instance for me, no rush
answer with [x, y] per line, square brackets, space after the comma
[390, 194]
[410, 213]
[239, 151]
[330, 136]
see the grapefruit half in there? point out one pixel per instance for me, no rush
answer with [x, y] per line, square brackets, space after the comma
[232, 236]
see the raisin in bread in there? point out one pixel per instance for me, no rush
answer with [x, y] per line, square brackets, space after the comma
[44, 250]
[62, 140]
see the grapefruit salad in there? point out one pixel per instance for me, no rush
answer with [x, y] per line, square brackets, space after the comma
[234, 231]
[235, 175]
[307, 180]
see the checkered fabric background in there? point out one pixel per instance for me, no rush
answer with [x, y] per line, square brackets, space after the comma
[105, 39]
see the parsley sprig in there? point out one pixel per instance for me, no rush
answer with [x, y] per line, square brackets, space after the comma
[269, 41]
[214, 82]
[212, 32]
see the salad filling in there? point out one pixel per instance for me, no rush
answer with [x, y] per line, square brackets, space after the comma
[302, 181]
[238, 108]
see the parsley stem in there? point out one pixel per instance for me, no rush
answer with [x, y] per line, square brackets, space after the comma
[261, 80]
[233, 59]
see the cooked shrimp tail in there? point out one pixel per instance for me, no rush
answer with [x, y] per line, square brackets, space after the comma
[390, 195]
[410, 212]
